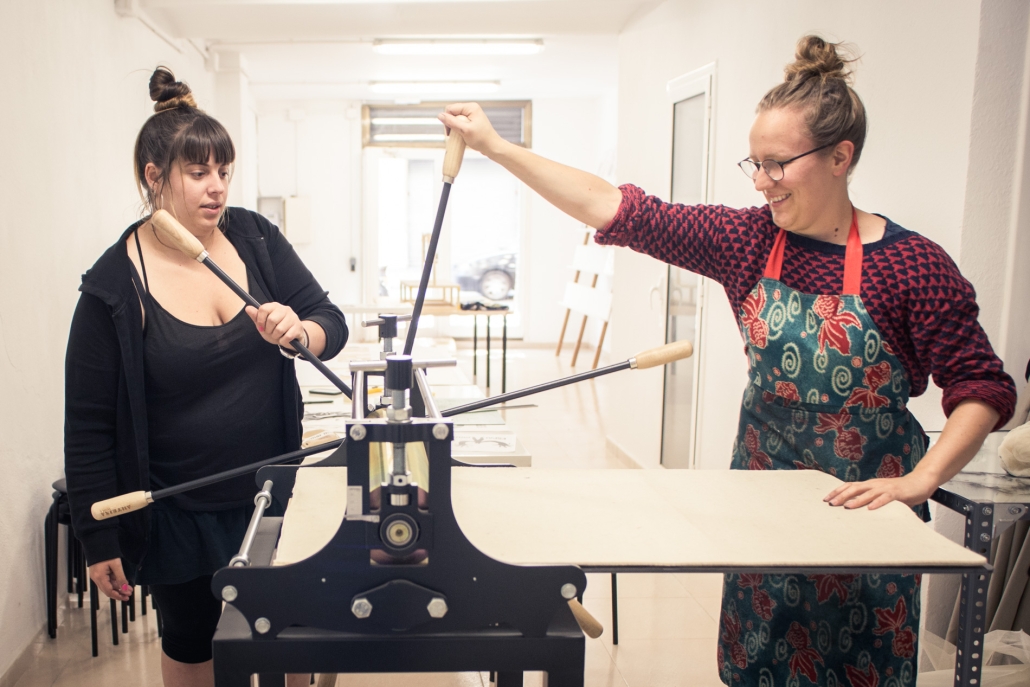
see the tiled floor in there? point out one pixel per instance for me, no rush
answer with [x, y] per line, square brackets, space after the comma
[667, 623]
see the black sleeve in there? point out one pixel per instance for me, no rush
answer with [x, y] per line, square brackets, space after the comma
[92, 374]
[299, 290]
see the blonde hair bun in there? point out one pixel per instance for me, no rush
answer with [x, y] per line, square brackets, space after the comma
[167, 93]
[816, 58]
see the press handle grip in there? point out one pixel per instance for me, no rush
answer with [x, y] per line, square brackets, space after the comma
[677, 350]
[119, 505]
[180, 237]
[588, 623]
[452, 158]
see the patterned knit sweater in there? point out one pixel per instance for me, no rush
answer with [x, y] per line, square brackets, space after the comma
[923, 306]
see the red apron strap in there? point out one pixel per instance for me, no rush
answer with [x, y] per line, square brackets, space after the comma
[852, 259]
[774, 266]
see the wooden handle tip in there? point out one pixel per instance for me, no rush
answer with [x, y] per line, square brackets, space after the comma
[119, 505]
[671, 352]
[177, 234]
[587, 622]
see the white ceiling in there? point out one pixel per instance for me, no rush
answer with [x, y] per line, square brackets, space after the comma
[323, 49]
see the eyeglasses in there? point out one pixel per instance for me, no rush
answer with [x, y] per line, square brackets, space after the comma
[773, 168]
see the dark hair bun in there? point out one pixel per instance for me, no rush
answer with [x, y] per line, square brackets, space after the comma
[815, 58]
[168, 93]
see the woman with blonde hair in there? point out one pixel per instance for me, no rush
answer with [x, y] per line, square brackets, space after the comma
[844, 315]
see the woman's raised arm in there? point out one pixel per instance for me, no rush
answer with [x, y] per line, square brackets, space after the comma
[584, 196]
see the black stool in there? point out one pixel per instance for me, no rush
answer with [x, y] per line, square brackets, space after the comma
[60, 514]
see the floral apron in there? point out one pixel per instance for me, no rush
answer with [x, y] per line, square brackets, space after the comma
[825, 393]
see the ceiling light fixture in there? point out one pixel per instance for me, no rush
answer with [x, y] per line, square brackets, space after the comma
[434, 87]
[451, 46]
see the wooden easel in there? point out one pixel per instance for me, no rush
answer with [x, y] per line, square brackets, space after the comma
[589, 301]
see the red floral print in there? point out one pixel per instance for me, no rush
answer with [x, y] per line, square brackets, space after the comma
[833, 332]
[869, 677]
[804, 658]
[788, 390]
[893, 620]
[761, 603]
[849, 441]
[758, 459]
[890, 467]
[731, 637]
[868, 397]
[757, 328]
[828, 585]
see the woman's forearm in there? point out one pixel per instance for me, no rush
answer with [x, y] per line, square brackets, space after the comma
[963, 435]
[316, 337]
[584, 196]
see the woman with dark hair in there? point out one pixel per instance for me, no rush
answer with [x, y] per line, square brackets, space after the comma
[170, 378]
[844, 315]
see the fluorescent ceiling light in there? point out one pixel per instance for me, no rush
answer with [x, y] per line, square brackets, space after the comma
[408, 137]
[431, 87]
[406, 121]
[458, 47]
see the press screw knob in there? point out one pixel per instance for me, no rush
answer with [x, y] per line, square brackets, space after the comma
[361, 608]
[229, 593]
[437, 608]
[262, 625]
[568, 591]
[357, 432]
[440, 431]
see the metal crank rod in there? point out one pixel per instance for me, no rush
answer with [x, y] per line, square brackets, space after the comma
[650, 358]
[261, 502]
[126, 503]
[451, 164]
[186, 242]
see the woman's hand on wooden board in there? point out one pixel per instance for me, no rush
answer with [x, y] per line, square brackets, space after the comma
[110, 579]
[911, 489]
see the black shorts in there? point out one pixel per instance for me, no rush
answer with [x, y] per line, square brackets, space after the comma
[189, 616]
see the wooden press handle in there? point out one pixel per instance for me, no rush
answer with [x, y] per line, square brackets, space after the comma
[452, 158]
[677, 350]
[180, 237]
[588, 623]
[126, 503]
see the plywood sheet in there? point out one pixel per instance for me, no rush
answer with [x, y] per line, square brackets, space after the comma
[650, 518]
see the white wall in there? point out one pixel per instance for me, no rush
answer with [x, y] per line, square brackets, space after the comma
[579, 132]
[313, 149]
[916, 78]
[75, 95]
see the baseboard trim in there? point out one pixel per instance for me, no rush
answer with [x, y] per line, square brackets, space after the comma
[21, 665]
[614, 451]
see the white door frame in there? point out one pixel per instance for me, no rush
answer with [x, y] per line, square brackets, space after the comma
[700, 81]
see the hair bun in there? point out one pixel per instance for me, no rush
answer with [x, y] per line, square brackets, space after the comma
[167, 93]
[816, 58]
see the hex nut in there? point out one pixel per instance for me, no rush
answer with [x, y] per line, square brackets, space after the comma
[568, 591]
[440, 431]
[262, 625]
[358, 432]
[229, 593]
[437, 608]
[361, 608]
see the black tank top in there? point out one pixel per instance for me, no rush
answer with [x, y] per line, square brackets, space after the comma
[214, 400]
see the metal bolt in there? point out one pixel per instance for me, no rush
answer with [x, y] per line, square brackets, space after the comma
[988, 510]
[1015, 510]
[437, 608]
[357, 432]
[568, 591]
[440, 431]
[361, 608]
[262, 625]
[985, 537]
[229, 593]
